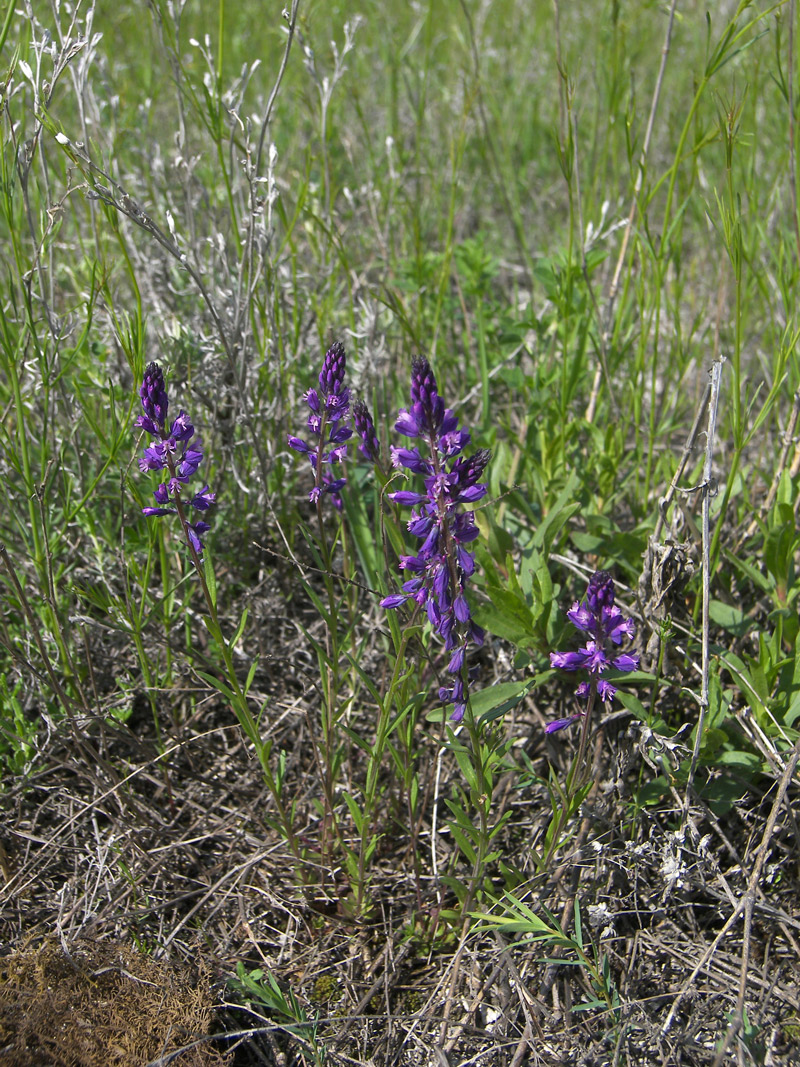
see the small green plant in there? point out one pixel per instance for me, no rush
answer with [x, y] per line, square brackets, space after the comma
[264, 990]
[17, 733]
[516, 919]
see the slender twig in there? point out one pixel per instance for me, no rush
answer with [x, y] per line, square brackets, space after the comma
[637, 188]
[602, 348]
[792, 145]
[254, 173]
[292, 22]
[68, 703]
[707, 489]
[746, 901]
[788, 441]
[488, 139]
[115, 196]
[688, 450]
[478, 998]
[752, 885]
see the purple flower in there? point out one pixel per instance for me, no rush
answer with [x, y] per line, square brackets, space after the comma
[203, 500]
[154, 400]
[365, 429]
[327, 422]
[603, 622]
[442, 565]
[173, 451]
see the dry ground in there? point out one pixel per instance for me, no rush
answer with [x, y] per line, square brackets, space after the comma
[139, 881]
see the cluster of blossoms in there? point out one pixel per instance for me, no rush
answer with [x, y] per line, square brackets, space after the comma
[328, 423]
[176, 451]
[443, 564]
[365, 429]
[603, 622]
[440, 569]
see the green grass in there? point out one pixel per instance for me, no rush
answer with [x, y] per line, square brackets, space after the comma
[472, 182]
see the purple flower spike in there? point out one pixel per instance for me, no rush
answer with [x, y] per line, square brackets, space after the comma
[174, 450]
[600, 593]
[602, 621]
[442, 565]
[327, 422]
[331, 377]
[154, 400]
[365, 429]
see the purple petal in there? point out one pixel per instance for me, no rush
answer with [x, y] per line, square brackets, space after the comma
[153, 394]
[561, 724]
[568, 661]
[600, 593]
[411, 459]
[581, 618]
[615, 626]
[466, 561]
[595, 657]
[144, 422]
[605, 690]
[626, 662]
[413, 585]
[439, 576]
[340, 433]
[461, 609]
[407, 425]
[194, 540]
[407, 498]
[457, 660]
[203, 500]
[192, 458]
[394, 600]
[182, 428]
[412, 563]
[471, 494]
[420, 525]
[153, 458]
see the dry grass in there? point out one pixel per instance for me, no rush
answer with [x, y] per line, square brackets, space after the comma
[175, 858]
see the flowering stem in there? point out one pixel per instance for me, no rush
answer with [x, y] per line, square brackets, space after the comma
[176, 451]
[605, 627]
[483, 802]
[328, 425]
[331, 667]
[331, 687]
[237, 696]
[578, 772]
[382, 731]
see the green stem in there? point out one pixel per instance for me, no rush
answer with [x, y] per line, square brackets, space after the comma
[7, 23]
[240, 703]
[579, 772]
[382, 732]
[332, 677]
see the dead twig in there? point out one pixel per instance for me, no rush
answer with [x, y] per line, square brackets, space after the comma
[745, 904]
[707, 488]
